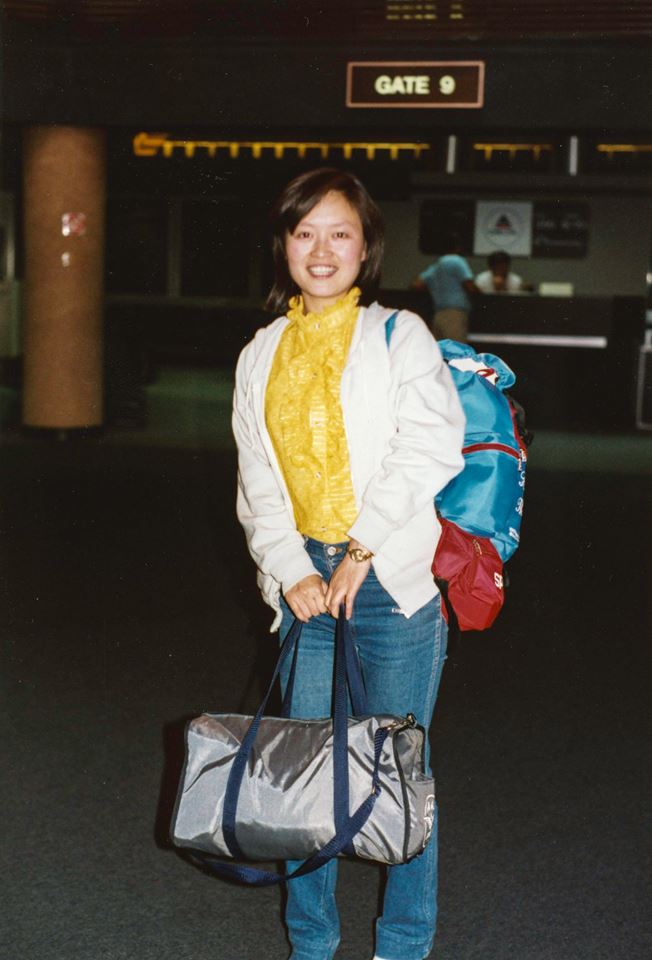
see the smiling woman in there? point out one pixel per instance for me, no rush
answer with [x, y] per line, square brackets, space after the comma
[345, 434]
[325, 251]
[348, 201]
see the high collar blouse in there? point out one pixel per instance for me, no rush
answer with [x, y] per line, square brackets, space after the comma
[304, 416]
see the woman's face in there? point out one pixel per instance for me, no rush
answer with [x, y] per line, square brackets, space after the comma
[325, 251]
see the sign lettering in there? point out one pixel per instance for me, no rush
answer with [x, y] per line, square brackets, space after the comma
[402, 84]
[560, 229]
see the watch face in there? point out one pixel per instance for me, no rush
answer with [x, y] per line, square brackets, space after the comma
[358, 554]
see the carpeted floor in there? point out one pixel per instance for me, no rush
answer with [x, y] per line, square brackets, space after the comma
[129, 604]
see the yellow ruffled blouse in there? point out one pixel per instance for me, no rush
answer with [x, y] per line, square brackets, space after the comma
[304, 416]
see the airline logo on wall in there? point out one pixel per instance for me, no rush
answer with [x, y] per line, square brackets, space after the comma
[503, 226]
[430, 84]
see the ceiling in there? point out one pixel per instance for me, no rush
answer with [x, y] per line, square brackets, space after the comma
[316, 20]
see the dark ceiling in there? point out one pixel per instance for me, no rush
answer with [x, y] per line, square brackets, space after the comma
[319, 20]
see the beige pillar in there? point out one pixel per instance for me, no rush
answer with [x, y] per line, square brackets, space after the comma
[64, 192]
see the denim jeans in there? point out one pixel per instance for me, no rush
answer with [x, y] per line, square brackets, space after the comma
[401, 661]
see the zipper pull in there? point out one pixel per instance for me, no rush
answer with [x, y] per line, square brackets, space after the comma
[402, 723]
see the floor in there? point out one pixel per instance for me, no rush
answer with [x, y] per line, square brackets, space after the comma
[128, 605]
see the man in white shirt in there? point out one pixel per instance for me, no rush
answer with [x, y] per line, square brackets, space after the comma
[499, 278]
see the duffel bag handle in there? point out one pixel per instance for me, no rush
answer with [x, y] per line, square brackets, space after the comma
[352, 677]
[347, 667]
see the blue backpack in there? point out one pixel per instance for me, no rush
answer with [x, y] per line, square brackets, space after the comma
[480, 509]
[486, 498]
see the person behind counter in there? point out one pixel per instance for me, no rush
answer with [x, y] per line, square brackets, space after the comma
[499, 278]
[343, 442]
[451, 286]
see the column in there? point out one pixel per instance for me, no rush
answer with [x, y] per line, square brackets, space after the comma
[64, 198]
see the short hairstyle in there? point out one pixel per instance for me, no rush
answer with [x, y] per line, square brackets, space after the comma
[296, 201]
[497, 257]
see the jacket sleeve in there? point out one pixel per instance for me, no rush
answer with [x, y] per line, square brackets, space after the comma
[425, 452]
[272, 537]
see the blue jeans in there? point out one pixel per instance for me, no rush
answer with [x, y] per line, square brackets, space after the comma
[401, 661]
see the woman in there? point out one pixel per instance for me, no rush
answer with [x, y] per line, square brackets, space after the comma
[343, 441]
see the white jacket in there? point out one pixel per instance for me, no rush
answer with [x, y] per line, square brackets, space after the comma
[405, 427]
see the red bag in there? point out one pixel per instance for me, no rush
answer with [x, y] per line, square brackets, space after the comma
[469, 572]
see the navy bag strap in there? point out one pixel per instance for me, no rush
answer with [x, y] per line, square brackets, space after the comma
[345, 659]
[286, 706]
[347, 674]
[347, 670]
[353, 676]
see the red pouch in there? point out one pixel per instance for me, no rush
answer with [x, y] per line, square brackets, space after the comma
[469, 572]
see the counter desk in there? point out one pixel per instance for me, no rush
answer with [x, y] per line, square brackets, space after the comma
[575, 358]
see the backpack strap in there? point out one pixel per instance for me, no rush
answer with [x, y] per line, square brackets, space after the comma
[390, 323]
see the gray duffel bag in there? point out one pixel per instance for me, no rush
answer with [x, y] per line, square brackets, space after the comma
[268, 788]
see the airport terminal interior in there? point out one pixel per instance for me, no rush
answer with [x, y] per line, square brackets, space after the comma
[141, 147]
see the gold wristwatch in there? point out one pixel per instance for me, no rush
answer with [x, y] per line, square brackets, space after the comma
[358, 554]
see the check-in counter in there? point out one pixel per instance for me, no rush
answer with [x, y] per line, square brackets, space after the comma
[574, 357]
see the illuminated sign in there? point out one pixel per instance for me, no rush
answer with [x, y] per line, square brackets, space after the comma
[488, 149]
[430, 84]
[414, 10]
[162, 145]
[611, 149]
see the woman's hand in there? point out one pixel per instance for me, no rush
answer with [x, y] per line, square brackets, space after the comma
[306, 598]
[347, 579]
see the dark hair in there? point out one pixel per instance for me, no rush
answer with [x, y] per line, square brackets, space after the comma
[296, 201]
[497, 257]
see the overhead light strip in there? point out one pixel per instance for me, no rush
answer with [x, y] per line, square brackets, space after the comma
[512, 148]
[612, 148]
[160, 144]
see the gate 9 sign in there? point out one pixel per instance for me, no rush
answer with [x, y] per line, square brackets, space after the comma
[428, 84]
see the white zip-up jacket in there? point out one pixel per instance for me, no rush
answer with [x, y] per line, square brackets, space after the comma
[404, 425]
